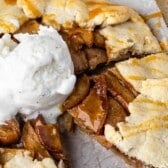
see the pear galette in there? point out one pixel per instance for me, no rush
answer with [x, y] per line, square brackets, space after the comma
[121, 104]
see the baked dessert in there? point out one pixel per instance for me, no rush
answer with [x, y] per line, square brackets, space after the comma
[134, 122]
[105, 101]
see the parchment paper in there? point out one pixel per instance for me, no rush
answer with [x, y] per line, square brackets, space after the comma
[85, 152]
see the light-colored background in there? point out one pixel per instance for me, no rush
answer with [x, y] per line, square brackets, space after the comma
[85, 152]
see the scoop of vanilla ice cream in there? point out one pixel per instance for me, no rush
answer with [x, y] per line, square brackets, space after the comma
[36, 75]
[6, 45]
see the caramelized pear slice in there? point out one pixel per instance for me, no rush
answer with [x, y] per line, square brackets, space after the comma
[116, 113]
[79, 60]
[79, 37]
[95, 57]
[100, 85]
[118, 90]
[9, 132]
[99, 40]
[49, 137]
[31, 142]
[80, 92]
[91, 113]
[123, 81]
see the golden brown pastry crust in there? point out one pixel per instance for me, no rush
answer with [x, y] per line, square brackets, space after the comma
[11, 16]
[119, 25]
[32, 8]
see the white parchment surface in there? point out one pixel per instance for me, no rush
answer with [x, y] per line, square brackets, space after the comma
[84, 152]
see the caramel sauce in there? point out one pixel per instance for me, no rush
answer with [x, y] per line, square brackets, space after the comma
[154, 70]
[153, 15]
[154, 58]
[135, 62]
[105, 3]
[163, 84]
[158, 103]
[149, 125]
[8, 27]
[151, 58]
[31, 7]
[10, 2]
[135, 77]
[91, 111]
[94, 13]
